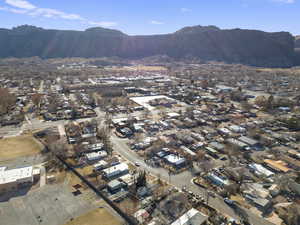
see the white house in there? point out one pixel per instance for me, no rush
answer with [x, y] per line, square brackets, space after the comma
[96, 155]
[116, 171]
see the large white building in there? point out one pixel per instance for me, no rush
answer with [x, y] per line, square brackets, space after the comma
[14, 178]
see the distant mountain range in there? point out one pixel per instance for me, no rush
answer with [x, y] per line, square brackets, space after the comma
[297, 41]
[207, 43]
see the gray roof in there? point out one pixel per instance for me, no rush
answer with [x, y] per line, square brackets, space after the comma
[248, 140]
[114, 184]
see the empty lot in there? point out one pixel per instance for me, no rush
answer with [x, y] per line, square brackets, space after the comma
[94, 217]
[49, 205]
[14, 147]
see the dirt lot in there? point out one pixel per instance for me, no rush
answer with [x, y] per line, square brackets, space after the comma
[94, 217]
[14, 147]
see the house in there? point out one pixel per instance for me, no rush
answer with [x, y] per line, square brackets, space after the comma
[278, 166]
[92, 156]
[116, 171]
[217, 180]
[193, 216]
[224, 131]
[198, 137]
[95, 147]
[212, 152]
[237, 143]
[187, 150]
[237, 129]
[175, 161]
[260, 170]
[261, 204]
[115, 186]
[141, 215]
[294, 154]
[100, 165]
[251, 142]
[216, 145]
[126, 131]
[15, 178]
[128, 179]
[173, 115]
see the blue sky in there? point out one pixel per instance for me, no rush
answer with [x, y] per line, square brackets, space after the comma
[152, 16]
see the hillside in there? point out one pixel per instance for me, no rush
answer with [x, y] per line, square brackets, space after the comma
[209, 43]
[297, 41]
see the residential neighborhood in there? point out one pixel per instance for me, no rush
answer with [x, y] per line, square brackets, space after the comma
[149, 144]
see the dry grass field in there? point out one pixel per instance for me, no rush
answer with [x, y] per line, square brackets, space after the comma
[140, 68]
[96, 217]
[14, 147]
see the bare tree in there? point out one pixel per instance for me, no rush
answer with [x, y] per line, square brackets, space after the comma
[7, 100]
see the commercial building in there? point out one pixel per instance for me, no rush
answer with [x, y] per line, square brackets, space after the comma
[16, 178]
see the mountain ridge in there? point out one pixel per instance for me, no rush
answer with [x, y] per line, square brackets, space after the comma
[208, 43]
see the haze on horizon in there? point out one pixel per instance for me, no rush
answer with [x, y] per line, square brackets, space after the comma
[152, 17]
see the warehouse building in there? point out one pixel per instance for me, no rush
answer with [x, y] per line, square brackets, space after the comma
[16, 178]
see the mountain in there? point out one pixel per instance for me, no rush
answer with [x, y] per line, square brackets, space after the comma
[297, 41]
[208, 43]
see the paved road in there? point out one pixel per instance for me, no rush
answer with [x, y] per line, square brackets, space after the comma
[41, 88]
[180, 180]
[42, 176]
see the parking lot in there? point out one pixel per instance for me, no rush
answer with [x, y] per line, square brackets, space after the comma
[50, 205]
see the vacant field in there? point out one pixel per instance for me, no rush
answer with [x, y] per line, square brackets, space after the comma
[15, 147]
[98, 216]
[150, 68]
[141, 68]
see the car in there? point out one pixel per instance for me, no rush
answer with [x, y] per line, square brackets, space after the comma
[229, 202]
[224, 158]
[137, 164]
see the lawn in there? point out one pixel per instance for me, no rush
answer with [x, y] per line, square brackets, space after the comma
[14, 147]
[98, 216]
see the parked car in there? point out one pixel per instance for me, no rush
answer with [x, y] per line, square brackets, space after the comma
[229, 202]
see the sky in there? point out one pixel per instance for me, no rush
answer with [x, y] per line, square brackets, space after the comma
[136, 17]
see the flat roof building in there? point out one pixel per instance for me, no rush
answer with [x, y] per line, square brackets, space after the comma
[11, 179]
[193, 216]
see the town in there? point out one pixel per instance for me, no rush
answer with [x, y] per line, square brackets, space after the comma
[130, 142]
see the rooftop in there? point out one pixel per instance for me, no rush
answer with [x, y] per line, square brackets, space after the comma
[193, 216]
[9, 176]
